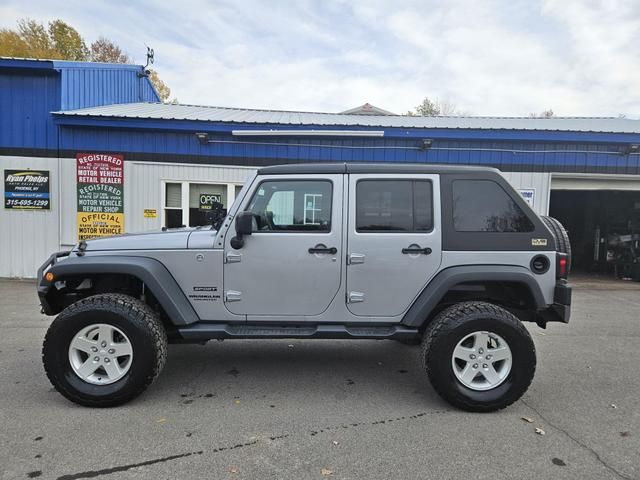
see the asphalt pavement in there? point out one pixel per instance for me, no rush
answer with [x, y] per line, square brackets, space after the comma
[298, 409]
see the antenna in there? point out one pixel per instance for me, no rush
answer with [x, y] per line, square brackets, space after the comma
[150, 54]
[145, 72]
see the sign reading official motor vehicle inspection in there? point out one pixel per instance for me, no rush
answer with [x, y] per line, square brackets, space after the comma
[26, 189]
[100, 178]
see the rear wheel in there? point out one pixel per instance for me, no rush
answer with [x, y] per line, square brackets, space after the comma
[478, 356]
[104, 350]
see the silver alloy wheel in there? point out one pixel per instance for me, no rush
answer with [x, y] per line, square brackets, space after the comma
[481, 360]
[100, 354]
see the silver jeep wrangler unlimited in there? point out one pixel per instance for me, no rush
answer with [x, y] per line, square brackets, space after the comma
[449, 257]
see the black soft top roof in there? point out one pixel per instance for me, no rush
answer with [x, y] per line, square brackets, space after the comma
[354, 167]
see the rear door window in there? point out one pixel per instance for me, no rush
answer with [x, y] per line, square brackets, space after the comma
[402, 206]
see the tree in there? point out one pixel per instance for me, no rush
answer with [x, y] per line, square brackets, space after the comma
[60, 41]
[37, 38]
[104, 50]
[67, 41]
[12, 45]
[427, 108]
[544, 114]
[433, 108]
[161, 87]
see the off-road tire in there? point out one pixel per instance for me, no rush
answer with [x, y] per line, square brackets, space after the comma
[136, 319]
[563, 245]
[452, 325]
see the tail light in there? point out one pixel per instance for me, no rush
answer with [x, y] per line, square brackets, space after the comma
[562, 269]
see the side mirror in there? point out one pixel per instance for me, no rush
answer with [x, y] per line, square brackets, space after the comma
[244, 226]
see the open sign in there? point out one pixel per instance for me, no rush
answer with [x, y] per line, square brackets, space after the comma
[208, 199]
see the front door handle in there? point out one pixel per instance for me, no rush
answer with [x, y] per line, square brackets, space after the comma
[415, 249]
[323, 249]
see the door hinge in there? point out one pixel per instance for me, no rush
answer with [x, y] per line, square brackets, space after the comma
[355, 297]
[232, 296]
[233, 257]
[355, 258]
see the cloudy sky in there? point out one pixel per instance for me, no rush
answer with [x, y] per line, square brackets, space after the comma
[493, 57]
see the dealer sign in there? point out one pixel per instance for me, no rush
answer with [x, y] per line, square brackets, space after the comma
[100, 194]
[26, 189]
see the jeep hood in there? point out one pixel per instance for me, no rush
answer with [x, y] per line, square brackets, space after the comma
[173, 239]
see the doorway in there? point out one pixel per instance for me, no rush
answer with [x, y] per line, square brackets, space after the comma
[603, 227]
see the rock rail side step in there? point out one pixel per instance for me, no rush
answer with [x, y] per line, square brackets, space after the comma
[199, 332]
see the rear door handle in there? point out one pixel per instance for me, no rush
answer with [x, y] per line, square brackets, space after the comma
[415, 249]
[331, 250]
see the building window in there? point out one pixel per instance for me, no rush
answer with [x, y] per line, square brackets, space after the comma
[400, 206]
[202, 197]
[190, 203]
[293, 206]
[312, 208]
[484, 206]
[173, 205]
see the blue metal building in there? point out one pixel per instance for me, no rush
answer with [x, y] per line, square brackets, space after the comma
[31, 89]
[52, 110]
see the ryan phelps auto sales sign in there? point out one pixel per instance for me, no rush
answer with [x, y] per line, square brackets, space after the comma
[26, 189]
[100, 180]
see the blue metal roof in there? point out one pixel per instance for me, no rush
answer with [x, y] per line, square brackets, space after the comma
[41, 63]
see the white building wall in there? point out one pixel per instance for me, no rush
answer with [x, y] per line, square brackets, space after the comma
[540, 183]
[144, 184]
[28, 237]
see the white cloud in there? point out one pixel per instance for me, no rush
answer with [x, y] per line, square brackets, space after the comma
[496, 57]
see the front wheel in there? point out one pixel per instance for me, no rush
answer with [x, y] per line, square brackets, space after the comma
[478, 356]
[104, 350]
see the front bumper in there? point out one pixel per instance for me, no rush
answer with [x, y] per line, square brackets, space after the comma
[43, 285]
[560, 310]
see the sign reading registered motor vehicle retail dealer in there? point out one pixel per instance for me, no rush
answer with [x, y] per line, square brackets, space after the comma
[100, 178]
[26, 189]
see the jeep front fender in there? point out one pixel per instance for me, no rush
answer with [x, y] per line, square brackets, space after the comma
[150, 271]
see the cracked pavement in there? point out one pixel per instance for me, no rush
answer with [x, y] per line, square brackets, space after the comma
[360, 409]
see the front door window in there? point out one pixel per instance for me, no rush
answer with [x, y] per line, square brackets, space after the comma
[293, 206]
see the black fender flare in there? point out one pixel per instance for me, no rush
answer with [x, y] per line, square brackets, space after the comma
[450, 277]
[150, 271]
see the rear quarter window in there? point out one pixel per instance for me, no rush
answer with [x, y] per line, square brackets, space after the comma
[484, 206]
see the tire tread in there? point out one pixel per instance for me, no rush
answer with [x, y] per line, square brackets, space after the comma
[563, 244]
[452, 318]
[135, 311]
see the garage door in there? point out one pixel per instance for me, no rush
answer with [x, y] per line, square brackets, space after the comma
[590, 181]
